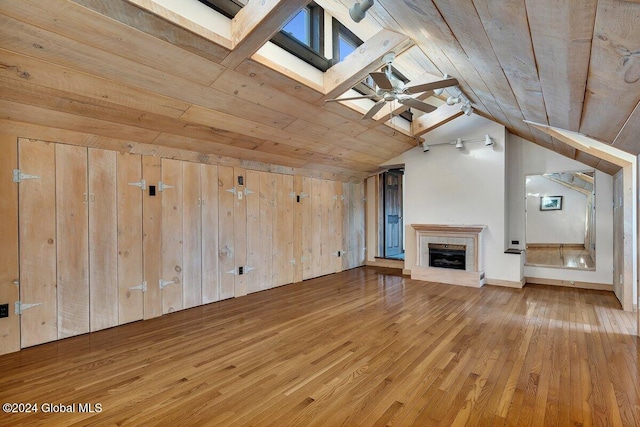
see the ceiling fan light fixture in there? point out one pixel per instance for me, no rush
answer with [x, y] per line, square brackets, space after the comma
[358, 11]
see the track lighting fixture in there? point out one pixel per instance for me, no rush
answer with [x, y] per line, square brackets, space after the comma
[459, 143]
[452, 100]
[359, 10]
[467, 109]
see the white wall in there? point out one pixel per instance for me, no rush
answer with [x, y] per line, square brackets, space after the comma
[527, 158]
[449, 186]
[564, 226]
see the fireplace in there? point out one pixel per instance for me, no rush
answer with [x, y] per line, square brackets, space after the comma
[448, 256]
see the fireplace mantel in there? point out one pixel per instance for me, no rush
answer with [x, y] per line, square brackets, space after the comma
[469, 235]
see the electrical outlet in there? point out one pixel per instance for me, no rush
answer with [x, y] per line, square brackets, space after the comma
[4, 310]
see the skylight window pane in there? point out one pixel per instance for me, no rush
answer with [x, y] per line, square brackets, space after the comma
[346, 47]
[299, 27]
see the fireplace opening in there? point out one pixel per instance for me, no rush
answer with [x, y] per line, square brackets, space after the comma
[448, 256]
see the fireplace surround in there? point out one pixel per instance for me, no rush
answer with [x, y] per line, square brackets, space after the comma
[456, 250]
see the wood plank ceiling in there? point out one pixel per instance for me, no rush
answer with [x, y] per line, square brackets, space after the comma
[135, 76]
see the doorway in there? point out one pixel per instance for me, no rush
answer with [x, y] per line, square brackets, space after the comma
[392, 213]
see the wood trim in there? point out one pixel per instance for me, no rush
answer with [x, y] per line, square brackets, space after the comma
[505, 283]
[477, 229]
[569, 283]
[9, 265]
[389, 263]
[255, 24]
[428, 122]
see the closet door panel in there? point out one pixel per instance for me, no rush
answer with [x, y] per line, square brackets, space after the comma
[267, 202]
[72, 229]
[192, 235]
[285, 230]
[240, 236]
[308, 231]
[226, 260]
[152, 237]
[254, 247]
[172, 217]
[103, 239]
[130, 265]
[37, 235]
[209, 182]
[316, 227]
[335, 231]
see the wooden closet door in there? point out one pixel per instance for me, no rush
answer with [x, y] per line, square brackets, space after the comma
[172, 216]
[103, 239]
[192, 235]
[267, 202]
[209, 184]
[152, 236]
[308, 224]
[335, 225]
[327, 203]
[278, 247]
[285, 229]
[130, 274]
[254, 248]
[226, 259]
[37, 234]
[316, 227]
[72, 229]
[240, 236]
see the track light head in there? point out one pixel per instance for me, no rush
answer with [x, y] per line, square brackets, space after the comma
[459, 144]
[467, 109]
[358, 11]
[452, 100]
[488, 141]
[425, 147]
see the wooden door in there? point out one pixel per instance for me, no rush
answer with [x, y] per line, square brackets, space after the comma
[129, 211]
[327, 203]
[192, 235]
[308, 224]
[240, 233]
[152, 236]
[37, 234]
[254, 248]
[353, 225]
[72, 230]
[103, 239]
[283, 231]
[335, 232]
[209, 185]
[393, 213]
[226, 259]
[172, 216]
[316, 227]
[267, 193]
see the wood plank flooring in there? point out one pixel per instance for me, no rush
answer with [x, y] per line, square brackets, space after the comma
[560, 256]
[365, 347]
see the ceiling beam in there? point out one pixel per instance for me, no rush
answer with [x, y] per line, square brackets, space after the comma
[255, 24]
[365, 59]
[428, 122]
[588, 145]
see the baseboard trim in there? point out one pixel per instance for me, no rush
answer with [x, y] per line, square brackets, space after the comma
[569, 284]
[389, 263]
[505, 283]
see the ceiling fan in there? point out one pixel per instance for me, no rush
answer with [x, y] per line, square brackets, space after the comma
[390, 88]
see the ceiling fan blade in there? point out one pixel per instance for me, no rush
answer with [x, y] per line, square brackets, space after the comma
[418, 105]
[351, 98]
[431, 86]
[376, 107]
[381, 80]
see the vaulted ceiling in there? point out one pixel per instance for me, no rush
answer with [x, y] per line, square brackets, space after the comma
[134, 75]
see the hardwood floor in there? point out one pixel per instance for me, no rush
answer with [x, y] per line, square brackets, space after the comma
[560, 256]
[363, 347]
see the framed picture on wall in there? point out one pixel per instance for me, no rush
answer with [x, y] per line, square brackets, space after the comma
[550, 203]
